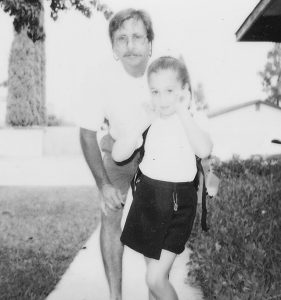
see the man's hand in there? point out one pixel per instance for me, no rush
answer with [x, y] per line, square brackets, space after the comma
[111, 198]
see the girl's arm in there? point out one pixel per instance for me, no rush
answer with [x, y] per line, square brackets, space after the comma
[125, 146]
[200, 140]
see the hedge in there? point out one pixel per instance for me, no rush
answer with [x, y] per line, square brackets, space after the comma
[239, 258]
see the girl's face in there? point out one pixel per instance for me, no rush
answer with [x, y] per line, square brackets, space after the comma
[167, 91]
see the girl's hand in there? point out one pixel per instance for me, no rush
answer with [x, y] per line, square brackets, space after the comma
[151, 114]
[183, 103]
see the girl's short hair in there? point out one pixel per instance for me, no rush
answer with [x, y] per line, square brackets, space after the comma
[171, 63]
[119, 18]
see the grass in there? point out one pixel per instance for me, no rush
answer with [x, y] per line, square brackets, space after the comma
[41, 230]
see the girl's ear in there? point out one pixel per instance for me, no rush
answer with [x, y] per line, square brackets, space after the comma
[150, 49]
[186, 95]
[187, 90]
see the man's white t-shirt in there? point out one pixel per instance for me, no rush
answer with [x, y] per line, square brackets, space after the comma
[113, 94]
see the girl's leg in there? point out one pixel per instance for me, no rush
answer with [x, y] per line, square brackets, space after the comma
[150, 295]
[157, 276]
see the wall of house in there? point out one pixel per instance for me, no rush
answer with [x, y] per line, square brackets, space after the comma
[40, 141]
[246, 131]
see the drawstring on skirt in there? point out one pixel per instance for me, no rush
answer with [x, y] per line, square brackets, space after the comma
[175, 200]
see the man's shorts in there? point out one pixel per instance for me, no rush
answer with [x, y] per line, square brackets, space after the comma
[120, 174]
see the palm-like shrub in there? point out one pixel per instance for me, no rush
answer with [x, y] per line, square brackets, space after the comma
[26, 83]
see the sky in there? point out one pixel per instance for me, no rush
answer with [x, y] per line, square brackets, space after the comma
[202, 30]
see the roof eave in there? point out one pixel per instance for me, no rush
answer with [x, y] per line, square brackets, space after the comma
[240, 106]
[251, 19]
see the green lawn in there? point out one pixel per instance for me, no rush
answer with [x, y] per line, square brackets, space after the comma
[41, 230]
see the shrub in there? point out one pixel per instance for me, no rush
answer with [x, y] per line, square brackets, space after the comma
[53, 120]
[240, 256]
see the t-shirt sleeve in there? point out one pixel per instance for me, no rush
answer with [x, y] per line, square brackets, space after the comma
[90, 105]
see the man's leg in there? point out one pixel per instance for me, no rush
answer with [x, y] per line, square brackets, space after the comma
[112, 251]
[111, 246]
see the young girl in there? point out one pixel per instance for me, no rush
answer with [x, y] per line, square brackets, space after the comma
[161, 216]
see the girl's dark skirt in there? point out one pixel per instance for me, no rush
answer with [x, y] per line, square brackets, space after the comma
[161, 216]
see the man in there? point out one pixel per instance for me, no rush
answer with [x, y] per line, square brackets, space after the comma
[121, 95]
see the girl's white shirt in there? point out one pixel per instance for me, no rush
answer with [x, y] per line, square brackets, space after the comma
[168, 153]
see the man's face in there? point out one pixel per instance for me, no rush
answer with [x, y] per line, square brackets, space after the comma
[130, 44]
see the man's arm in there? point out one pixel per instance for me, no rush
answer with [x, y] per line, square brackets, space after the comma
[112, 197]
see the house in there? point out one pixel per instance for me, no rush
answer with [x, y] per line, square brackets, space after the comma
[247, 129]
[263, 24]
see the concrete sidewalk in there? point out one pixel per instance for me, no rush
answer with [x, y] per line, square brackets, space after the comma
[85, 279]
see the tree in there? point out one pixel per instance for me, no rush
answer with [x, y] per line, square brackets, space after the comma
[271, 75]
[26, 13]
[199, 97]
[26, 83]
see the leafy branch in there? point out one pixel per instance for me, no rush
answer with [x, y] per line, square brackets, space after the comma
[26, 13]
[271, 76]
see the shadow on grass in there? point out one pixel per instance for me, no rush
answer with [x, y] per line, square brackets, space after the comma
[41, 230]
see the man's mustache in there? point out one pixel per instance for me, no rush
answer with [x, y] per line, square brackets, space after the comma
[130, 54]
